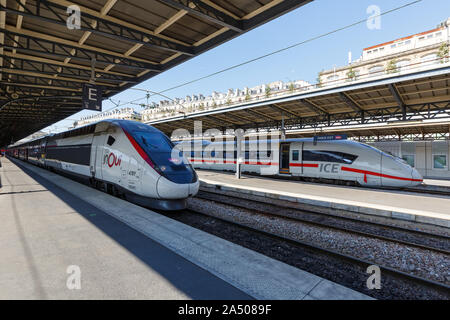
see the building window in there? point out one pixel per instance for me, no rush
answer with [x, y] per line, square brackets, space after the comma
[407, 42]
[439, 161]
[376, 69]
[393, 46]
[438, 34]
[409, 158]
[429, 59]
[421, 38]
[430, 36]
[333, 77]
[402, 65]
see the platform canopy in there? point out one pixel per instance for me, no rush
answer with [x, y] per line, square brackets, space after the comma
[398, 99]
[46, 56]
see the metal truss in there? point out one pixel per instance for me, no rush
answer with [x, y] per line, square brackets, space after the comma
[425, 111]
[73, 72]
[36, 45]
[206, 12]
[27, 92]
[19, 79]
[431, 136]
[57, 14]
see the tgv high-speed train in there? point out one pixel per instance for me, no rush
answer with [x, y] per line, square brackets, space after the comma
[341, 161]
[125, 158]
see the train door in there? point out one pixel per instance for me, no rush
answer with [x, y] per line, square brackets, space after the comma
[284, 158]
[97, 149]
[296, 163]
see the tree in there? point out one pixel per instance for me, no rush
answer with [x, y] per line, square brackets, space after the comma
[228, 101]
[351, 74]
[268, 91]
[392, 66]
[319, 80]
[443, 52]
[291, 87]
[247, 96]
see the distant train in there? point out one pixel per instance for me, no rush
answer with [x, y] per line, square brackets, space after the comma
[122, 157]
[341, 161]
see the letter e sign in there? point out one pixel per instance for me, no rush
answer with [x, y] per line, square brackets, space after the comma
[92, 97]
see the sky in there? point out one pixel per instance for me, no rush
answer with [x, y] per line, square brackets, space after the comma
[302, 62]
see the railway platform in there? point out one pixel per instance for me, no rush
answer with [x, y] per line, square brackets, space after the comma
[51, 224]
[435, 185]
[408, 206]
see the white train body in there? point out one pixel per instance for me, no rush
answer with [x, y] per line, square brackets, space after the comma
[340, 160]
[125, 157]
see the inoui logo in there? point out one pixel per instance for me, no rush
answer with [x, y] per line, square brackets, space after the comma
[74, 279]
[74, 19]
[112, 160]
[374, 20]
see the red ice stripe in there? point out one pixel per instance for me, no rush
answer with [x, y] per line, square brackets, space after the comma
[378, 174]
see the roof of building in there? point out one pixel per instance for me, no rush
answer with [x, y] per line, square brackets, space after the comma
[45, 64]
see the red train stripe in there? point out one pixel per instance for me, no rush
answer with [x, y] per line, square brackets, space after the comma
[138, 148]
[315, 165]
[365, 172]
[305, 165]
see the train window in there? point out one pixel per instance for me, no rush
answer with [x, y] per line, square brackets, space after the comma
[439, 161]
[409, 159]
[295, 155]
[328, 156]
[110, 141]
[153, 141]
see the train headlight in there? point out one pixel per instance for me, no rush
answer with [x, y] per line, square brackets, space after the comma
[163, 168]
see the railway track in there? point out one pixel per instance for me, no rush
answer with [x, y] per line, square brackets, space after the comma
[409, 237]
[335, 266]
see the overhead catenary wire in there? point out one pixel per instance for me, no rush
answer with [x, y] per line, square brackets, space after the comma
[323, 35]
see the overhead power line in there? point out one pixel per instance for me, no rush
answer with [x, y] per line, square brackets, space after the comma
[278, 51]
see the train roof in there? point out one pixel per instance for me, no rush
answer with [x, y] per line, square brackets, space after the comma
[206, 142]
[86, 129]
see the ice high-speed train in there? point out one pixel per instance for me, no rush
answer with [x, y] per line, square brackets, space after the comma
[341, 161]
[122, 157]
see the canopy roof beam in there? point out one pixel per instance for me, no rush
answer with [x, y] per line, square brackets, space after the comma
[99, 26]
[206, 12]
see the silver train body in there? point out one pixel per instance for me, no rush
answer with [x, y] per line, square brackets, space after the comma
[125, 158]
[342, 161]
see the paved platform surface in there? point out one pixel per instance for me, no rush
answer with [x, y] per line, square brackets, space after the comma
[44, 229]
[434, 182]
[126, 251]
[411, 206]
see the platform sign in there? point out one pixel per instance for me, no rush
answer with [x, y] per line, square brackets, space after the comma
[92, 97]
[330, 137]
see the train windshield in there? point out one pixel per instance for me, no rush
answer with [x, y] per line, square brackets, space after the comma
[159, 148]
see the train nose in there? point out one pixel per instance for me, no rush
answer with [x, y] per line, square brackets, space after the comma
[169, 190]
[416, 177]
